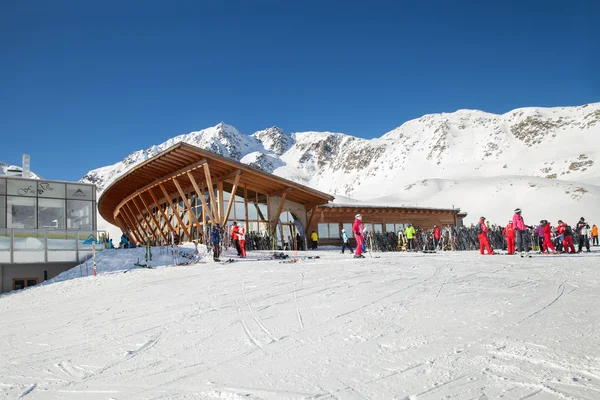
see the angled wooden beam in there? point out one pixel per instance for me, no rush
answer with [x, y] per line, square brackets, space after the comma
[130, 224]
[156, 224]
[234, 174]
[140, 229]
[200, 194]
[181, 224]
[167, 224]
[280, 193]
[187, 205]
[313, 212]
[213, 203]
[232, 197]
[137, 226]
[148, 226]
[274, 228]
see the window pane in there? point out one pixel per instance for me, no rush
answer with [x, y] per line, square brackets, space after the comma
[263, 228]
[240, 211]
[31, 282]
[2, 212]
[262, 212]
[389, 228]
[2, 186]
[51, 213]
[51, 189]
[20, 187]
[79, 214]
[19, 284]
[239, 198]
[323, 231]
[334, 231]
[252, 227]
[400, 228]
[226, 195]
[252, 214]
[80, 192]
[377, 227]
[348, 229]
[21, 212]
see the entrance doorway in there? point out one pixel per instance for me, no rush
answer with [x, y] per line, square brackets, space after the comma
[290, 232]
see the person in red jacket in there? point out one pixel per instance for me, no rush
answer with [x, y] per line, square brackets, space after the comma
[567, 233]
[483, 240]
[547, 238]
[509, 233]
[357, 229]
[437, 234]
[235, 239]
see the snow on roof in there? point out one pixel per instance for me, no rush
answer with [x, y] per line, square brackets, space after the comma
[365, 205]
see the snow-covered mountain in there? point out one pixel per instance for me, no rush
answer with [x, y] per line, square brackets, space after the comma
[5, 167]
[560, 144]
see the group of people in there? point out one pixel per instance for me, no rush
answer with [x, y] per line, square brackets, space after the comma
[238, 237]
[514, 233]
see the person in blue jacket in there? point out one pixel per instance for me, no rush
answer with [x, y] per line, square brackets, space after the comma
[345, 242]
[215, 239]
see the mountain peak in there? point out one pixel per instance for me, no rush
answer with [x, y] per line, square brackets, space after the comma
[274, 139]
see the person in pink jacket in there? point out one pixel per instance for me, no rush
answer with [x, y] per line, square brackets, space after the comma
[358, 234]
[520, 229]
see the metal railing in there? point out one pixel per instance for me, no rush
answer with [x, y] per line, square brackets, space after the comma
[27, 246]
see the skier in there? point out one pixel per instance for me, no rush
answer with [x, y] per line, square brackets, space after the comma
[509, 233]
[315, 240]
[482, 235]
[582, 235]
[235, 238]
[547, 237]
[594, 235]
[410, 233]
[520, 229]
[215, 238]
[437, 235]
[242, 239]
[357, 230]
[539, 234]
[345, 242]
[565, 230]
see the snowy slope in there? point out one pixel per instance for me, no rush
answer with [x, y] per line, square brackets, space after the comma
[561, 144]
[403, 326]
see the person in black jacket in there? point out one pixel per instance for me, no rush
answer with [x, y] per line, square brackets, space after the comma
[582, 230]
[215, 239]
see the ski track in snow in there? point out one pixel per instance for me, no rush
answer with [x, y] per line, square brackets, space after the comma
[403, 326]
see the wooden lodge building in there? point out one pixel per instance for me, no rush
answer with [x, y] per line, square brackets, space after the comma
[185, 189]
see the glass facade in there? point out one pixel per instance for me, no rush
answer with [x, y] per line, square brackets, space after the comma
[36, 204]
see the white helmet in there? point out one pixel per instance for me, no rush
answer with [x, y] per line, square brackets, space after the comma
[358, 216]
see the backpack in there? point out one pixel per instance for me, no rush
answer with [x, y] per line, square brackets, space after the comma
[568, 230]
[478, 229]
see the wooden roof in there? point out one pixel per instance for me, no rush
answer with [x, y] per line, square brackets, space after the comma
[357, 207]
[179, 158]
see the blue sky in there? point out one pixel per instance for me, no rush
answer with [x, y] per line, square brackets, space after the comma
[83, 84]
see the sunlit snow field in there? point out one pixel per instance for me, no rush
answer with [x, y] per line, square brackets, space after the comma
[400, 326]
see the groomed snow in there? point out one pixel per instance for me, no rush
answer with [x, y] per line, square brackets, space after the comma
[402, 326]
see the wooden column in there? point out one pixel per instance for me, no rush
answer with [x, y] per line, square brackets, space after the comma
[221, 203]
[209, 185]
[274, 228]
[246, 205]
[232, 196]
[181, 224]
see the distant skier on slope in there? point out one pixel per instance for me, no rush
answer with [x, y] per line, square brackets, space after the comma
[520, 229]
[582, 230]
[482, 233]
[358, 234]
[509, 233]
[437, 235]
